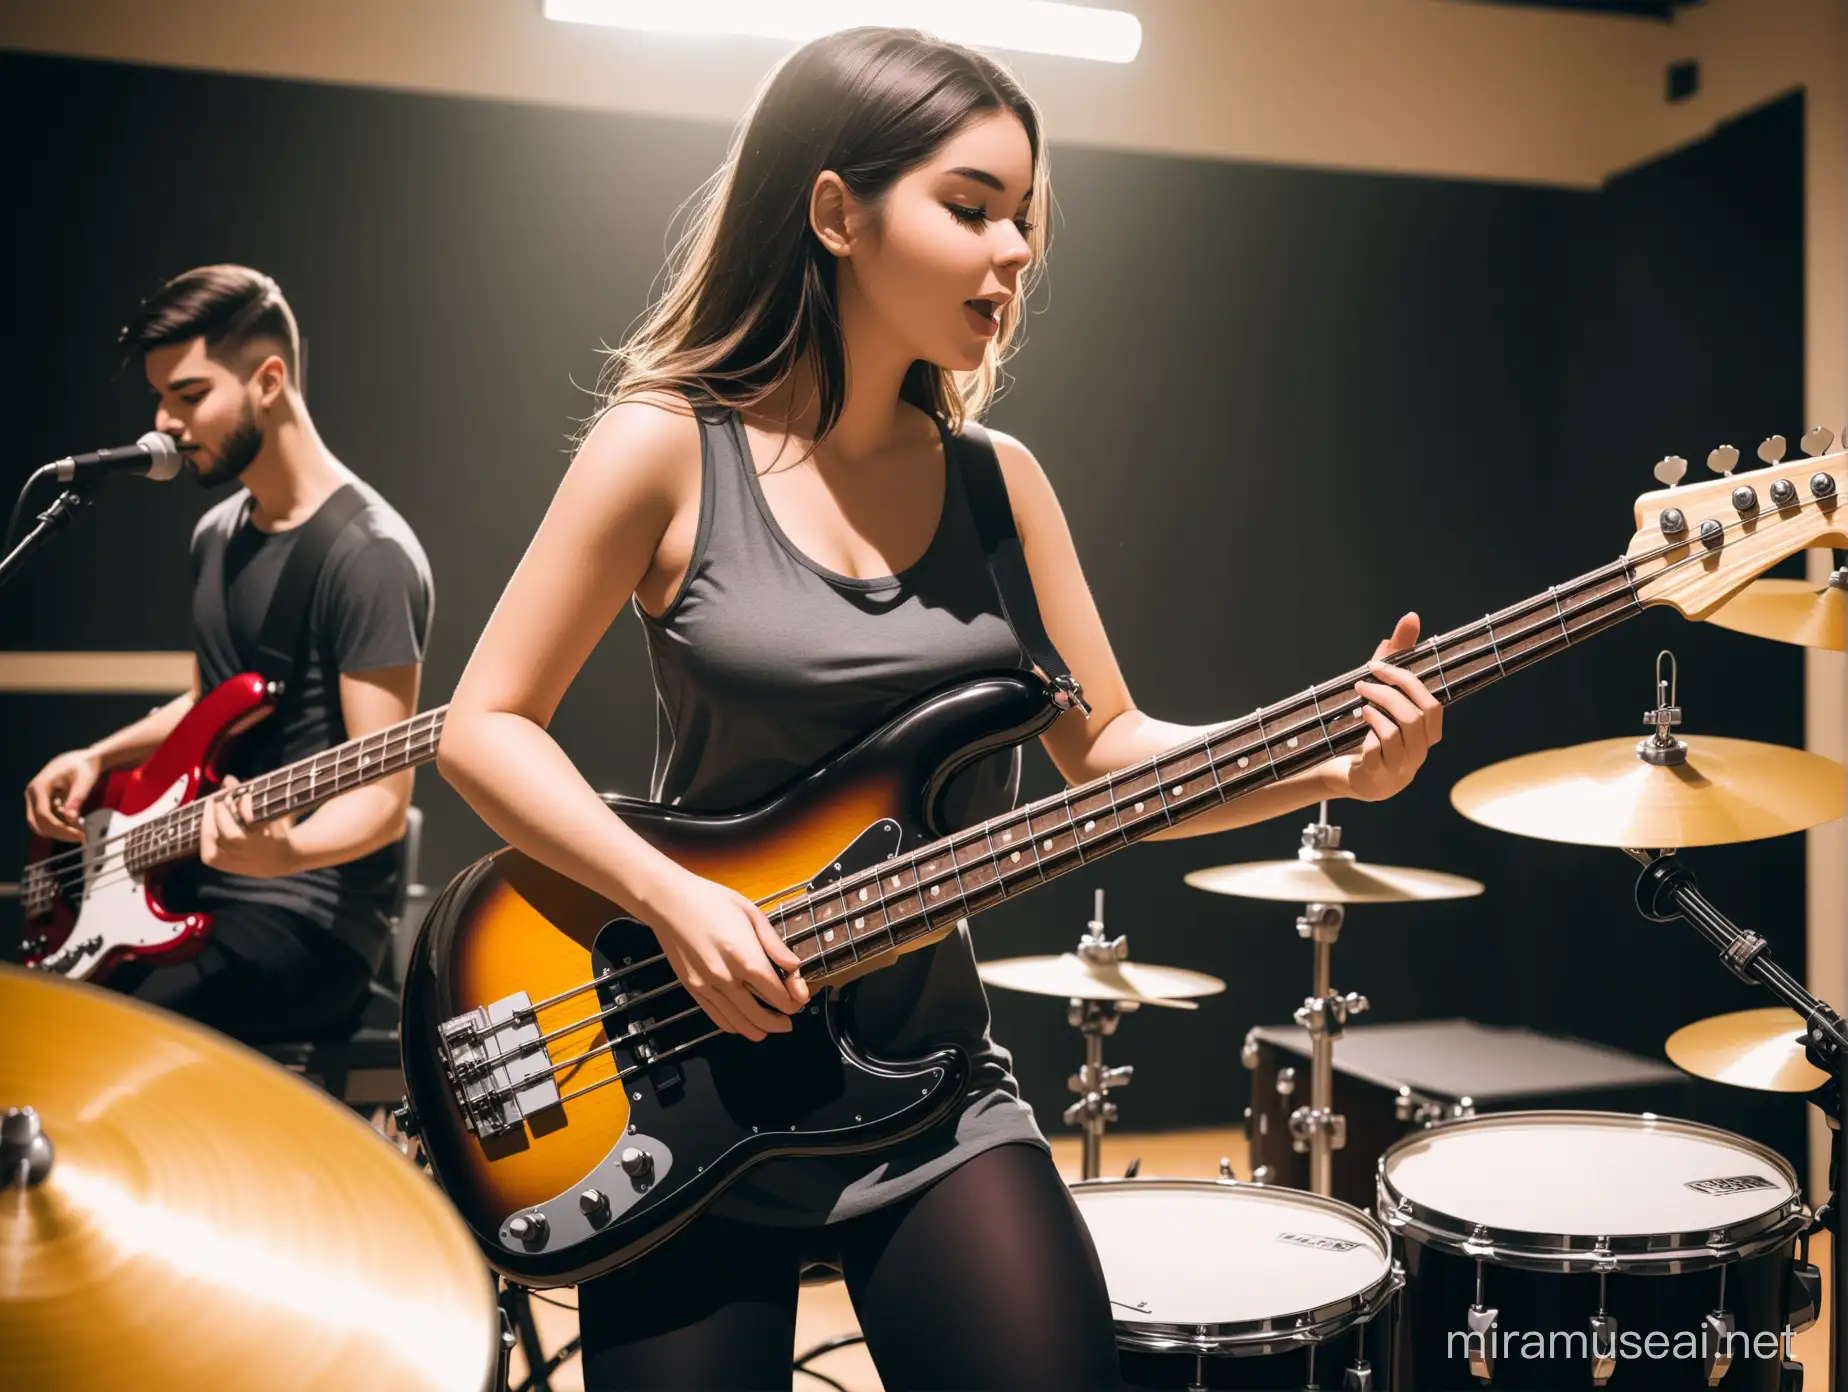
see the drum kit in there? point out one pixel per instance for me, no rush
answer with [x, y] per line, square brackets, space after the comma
[174, 1208]
[1523, 1249]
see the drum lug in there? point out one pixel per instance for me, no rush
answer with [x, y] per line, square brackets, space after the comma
[1804, 1282]
[1479, 1340]
[1358, 1378]
[1716, 1332]
[1601, 1259]
[1603, 1348]
[1248, 1054]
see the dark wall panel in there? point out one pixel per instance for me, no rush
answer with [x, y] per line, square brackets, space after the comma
[1281, 407]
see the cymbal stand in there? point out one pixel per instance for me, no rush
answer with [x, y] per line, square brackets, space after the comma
[1665, 891]
[1094, 1019]
[1316, 1128]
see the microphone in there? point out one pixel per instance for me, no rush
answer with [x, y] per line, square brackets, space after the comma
[154, 454]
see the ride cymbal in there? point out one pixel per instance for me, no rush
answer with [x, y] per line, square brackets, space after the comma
[1760, 1049]
[207, 1220]
[1072, 977]
[1789, 611]
[1331, 878]
[1602, 794]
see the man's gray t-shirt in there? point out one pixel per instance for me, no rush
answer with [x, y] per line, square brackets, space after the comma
[371, 609]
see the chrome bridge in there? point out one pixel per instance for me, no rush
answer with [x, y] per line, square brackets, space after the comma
[498, 1067]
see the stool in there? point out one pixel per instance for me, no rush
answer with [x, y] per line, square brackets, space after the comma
[360, 1064]
[360, 1068]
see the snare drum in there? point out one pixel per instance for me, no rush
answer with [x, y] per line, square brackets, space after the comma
[1221, 1284]
[1580, 1249]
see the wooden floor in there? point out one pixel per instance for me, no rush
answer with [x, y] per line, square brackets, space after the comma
[825, 1311]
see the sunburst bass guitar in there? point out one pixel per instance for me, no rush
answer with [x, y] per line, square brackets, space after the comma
[579, 1108]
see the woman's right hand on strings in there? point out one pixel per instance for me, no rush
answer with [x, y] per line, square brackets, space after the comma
[727, 955]
[55, 798]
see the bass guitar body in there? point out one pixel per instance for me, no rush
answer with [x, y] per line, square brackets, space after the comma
[572, 1099]
[93, 908]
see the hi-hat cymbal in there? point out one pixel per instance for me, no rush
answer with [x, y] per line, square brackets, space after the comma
[1072, 977]
[1760, 1049]
[1331, 879]
[1602, 794]
[208, 1220]
[1791, 611]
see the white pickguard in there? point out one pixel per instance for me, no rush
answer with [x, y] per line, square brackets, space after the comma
[114, 912]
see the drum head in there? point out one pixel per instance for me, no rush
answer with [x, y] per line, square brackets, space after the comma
[1226, 1261]
[1591, 1175]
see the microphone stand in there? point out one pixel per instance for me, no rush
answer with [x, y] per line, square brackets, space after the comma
[1665, 891]
[53, 519]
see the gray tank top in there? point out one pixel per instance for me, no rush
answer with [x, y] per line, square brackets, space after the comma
[764, 663]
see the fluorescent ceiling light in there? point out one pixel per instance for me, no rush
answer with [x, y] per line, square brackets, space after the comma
[1027, 26]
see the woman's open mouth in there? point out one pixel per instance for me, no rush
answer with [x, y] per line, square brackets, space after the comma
[983, 316]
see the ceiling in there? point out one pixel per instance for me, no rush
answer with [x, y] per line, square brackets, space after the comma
[1654, 9]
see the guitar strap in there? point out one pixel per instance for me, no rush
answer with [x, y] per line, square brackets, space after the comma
[282, 641]
[1007, 562]
[285, 622]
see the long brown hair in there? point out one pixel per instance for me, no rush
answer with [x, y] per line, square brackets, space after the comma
[750, 289]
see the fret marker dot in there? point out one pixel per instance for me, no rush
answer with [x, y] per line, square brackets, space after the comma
[895, 882]
[1046, 844]
[935, 890]
[1243, 762]
[1291, 742]
[1090, 826]
[1007, 836]
[863, 895]
[1138, 807]
[1179, 788]
[859, 923]
[828, 936]
[1014, 855]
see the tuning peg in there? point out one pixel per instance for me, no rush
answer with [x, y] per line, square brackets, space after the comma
[1772, 450]
[1670, 470]
[1723, 460]
[1817, 441]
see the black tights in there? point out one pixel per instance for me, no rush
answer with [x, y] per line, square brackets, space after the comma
[986, 1279]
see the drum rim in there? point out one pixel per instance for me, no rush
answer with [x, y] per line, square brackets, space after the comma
[1275, 1333]
[1661, 1253]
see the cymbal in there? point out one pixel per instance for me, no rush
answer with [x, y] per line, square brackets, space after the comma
[1791, 611]
[1337, 879]
[210, 1220]
[1072, 977]
[1601, 794]
[1760, 1049]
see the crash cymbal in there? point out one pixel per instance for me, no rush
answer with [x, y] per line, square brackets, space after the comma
[1072, 977]
[1760, 1049]
[1791, 611]
[1602, 794]
[208, 1220]
[1331, 878]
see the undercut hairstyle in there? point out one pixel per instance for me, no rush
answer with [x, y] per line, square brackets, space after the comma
[240, 313]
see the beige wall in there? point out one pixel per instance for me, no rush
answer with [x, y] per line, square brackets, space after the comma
[1414, 86]
[1434, 86]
